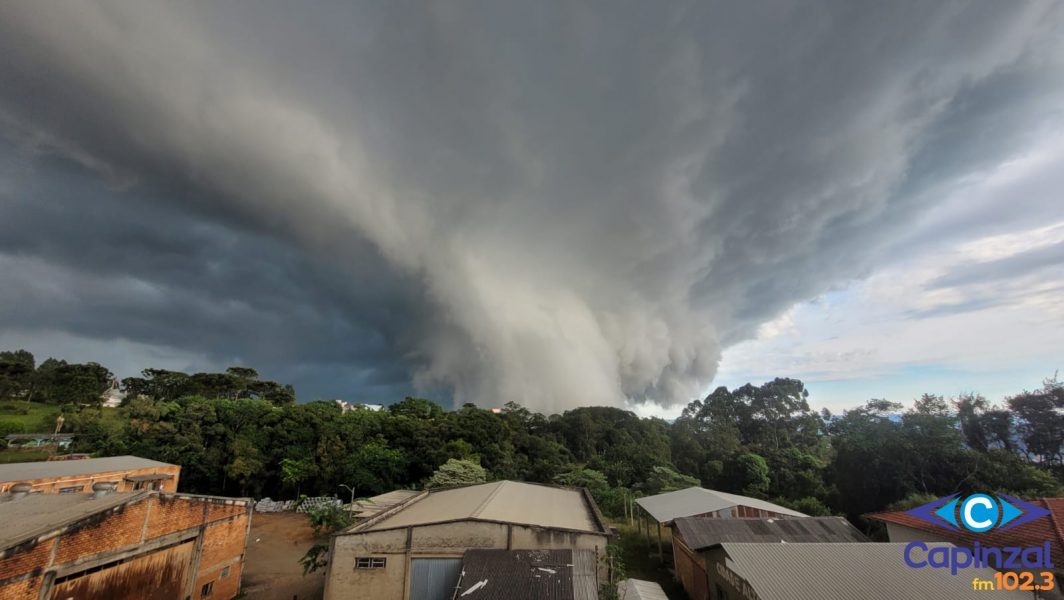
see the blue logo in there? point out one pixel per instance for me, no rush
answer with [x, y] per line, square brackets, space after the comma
[978, 513]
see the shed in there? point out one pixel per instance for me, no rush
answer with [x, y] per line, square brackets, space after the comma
[415, 548]
[637, 589]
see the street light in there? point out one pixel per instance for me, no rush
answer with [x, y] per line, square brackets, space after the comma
[350, 489]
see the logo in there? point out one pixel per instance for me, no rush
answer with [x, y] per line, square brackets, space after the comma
[978, 513]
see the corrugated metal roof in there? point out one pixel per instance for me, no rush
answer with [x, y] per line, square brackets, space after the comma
[848, 571]
[65, 468]
[36, 514]
[697, 501]
[505, 501]
[364, 509]
[637, 589]
[528, 575]
[699, 532]
[1033, 533]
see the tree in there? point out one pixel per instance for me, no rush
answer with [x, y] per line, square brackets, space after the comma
[295, 472]
[416, 408]
[457, 472]
[16, 374]
[1041, 422]
[751, 474]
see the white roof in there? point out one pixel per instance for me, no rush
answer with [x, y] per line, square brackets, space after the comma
[67, 468]
[697, 501]
[500, 501]
[637, 589]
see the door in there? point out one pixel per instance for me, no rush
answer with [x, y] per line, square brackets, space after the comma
[434, 578]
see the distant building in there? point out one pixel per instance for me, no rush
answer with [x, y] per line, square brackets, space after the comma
[121, 546]
[128, 473]
[691, 536]
[528, 575]
[36, 440]
[760, 571]
[349, 406]
[415, 549]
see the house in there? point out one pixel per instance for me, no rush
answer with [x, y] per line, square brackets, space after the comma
[700, 502]
[842, 571]
[903, 527]
[415, 549]
[121, 545]
[529, 575]
[128, 473]
[692, 535]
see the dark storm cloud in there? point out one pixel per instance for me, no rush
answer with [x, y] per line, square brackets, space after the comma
[550, 204]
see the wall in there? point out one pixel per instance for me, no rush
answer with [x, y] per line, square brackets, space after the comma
[720, 576]
[690, 569]
[52, 485]
[155, 541]
[438, 540]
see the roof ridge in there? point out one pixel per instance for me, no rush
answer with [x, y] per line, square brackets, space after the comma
[480, 508]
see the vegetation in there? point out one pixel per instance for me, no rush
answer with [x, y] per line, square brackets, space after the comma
[237, 435]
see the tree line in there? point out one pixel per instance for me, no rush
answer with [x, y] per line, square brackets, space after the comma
[236, 435]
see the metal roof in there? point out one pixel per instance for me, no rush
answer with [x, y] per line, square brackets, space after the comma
[1033, 533]
[363, 509]
[503, 501]
[37, 514]
[847, 571]
[697, 501]
[701, 532]
[528, 575]
[637, 589]
[65, 468]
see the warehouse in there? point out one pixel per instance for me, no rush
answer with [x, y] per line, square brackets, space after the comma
[117, 545]
[128, 473]
[843, 571]
[415, 549]
[691, 535]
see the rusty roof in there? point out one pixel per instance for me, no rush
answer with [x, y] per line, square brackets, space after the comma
[65, 468]
[498, 501]
[701, 532]
[1033, 533]
[528, 575]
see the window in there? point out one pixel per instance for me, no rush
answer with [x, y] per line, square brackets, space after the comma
[370, 563]
[225, 573]
[74, 489]
[207, 590]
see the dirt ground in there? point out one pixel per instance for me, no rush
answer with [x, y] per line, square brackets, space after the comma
[272, 570]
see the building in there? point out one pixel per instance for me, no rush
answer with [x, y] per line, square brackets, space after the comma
[844, 571]
[415, 549]
[121, 545]
[36, 440]
[371, 507]
[903, 527]
[700, 502]
[529, 575]
[128, 473]
[692, 535]
[637, 589]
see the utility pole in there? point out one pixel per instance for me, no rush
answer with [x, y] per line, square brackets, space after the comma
[352, 490]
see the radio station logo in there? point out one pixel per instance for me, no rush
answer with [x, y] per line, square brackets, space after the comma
[978, 513]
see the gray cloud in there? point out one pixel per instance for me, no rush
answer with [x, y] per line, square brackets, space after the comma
[556, 205]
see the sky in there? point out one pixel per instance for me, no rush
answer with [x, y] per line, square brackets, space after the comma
[555, 204]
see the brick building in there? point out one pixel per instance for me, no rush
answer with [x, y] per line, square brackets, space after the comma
[121, 545]
[128, 473]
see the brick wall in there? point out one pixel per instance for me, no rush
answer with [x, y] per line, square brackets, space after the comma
[135, 530]
[52, 485]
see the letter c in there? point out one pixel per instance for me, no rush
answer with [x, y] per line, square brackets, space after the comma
[908, 550]
[979, 512]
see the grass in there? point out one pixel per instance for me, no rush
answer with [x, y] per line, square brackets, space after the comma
[25, 455]
[640, 554]
[19, 416]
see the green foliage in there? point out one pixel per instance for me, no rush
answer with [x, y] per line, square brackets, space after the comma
[750, 474]
[457, 472]
[809, 505]
[328, 518]
[664, 479]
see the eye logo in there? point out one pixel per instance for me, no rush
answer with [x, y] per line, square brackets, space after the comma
[978, 512]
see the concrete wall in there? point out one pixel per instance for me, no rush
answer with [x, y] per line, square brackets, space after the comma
[52, 485]
[157, 542]
[399, 546]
